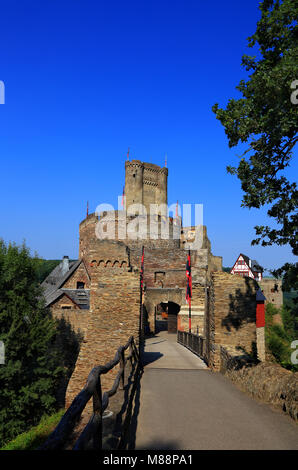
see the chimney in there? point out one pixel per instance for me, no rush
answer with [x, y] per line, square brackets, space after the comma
[65, 264]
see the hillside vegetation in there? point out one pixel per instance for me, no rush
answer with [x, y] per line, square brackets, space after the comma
[279, 336]
[43, 267]
[40, 351]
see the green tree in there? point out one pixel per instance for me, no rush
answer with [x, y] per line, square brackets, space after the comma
[32, 370]
[280, 336]
[265, 119]
[43, 267]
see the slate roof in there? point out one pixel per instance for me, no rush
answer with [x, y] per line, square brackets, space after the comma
[52, 289]
[80, 296]
[255, 267]
[260, 296]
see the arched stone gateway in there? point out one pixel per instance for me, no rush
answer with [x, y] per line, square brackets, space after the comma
[170, 301]
[166, 317]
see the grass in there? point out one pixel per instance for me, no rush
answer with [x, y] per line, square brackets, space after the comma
[33, 438]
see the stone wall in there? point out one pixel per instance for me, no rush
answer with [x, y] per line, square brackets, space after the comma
[197, 310]
[145, 183]
[269, 383]
[230, 316]
[80, 275]
[78, 318]
[87, 236]
[197, 320]
[272, 289]
[230, 360]
[114, 317]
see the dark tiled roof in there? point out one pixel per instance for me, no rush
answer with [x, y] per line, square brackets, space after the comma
[260, 296]
[52, 289]
[256, 267]
[254, 264]
[52, 296]
[80, 296]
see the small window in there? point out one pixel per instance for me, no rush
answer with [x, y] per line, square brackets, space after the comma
[80, 285]
[66, 307]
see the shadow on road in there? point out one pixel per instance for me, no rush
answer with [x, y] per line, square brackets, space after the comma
[161, 445]
[149, 357]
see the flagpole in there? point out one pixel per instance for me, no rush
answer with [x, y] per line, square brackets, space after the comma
[190, 293]
[189, 316]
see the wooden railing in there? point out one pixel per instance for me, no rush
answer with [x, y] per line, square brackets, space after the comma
[193, 342]
[91, 436]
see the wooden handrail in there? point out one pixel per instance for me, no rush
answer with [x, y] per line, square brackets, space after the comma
[92, 433]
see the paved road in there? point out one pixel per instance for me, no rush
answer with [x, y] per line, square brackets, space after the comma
[183, 405]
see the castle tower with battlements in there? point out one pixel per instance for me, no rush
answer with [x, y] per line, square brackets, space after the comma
[146, 184]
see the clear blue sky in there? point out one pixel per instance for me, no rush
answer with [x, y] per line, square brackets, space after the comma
[85, 80]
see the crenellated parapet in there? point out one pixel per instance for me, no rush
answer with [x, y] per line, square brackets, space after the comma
[145, 183]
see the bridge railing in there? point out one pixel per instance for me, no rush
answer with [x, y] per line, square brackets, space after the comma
[193, 342]
[91, 436]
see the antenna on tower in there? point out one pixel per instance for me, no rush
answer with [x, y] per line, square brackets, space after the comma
[87, 208]
[128, 154]
[166, 158]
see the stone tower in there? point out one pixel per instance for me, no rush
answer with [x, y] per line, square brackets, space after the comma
[145, 183]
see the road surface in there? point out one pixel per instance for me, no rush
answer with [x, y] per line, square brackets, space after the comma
[185, 406]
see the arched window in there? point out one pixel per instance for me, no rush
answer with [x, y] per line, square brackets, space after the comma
[108, 264]
[101, 263]
[116, 264]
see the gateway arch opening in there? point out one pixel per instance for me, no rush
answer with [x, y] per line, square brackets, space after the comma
[166, 315]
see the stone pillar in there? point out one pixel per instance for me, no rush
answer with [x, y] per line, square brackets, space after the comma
[261, 344]
[260, 324]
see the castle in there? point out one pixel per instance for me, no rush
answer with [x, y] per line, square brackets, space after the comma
[100, 292]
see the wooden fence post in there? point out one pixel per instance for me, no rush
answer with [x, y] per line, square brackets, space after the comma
[97, 410]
